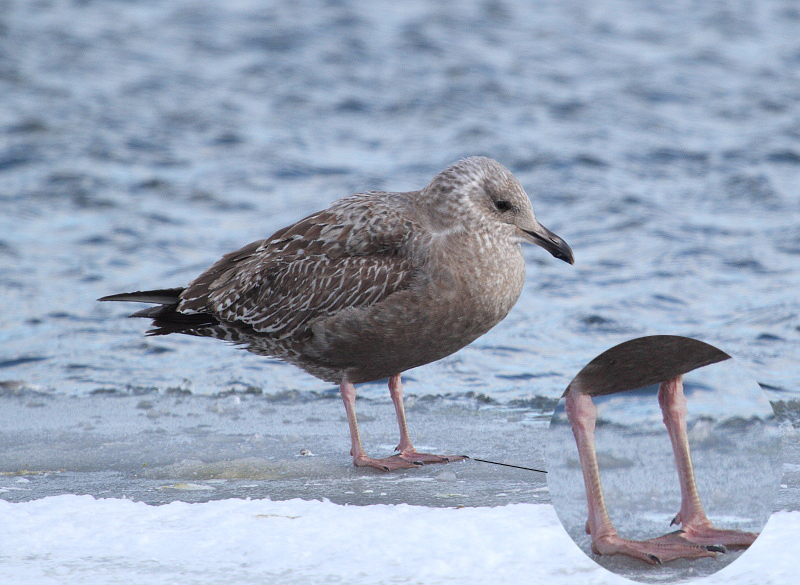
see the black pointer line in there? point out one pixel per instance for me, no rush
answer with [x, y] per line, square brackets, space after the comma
[505, 464]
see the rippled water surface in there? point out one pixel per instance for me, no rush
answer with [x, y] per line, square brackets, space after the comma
[139, 141]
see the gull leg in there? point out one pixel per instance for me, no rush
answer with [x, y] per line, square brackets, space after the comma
[582, 414]
[360, 458]
[396, 392]
[695, 525]
[405, 447]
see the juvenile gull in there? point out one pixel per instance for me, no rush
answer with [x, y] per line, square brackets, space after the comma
[374, 285]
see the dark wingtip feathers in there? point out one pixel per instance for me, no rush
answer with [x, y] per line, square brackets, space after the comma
[166, 319]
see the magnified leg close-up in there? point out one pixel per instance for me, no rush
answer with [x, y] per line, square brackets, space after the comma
[633, 412]
[697, 537]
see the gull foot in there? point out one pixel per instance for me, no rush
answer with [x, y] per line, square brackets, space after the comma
[386, 464]
[404, 460]
[706, 533]
[655, 551]
[416, 457]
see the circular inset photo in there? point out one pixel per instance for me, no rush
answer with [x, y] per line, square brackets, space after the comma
[663, 459]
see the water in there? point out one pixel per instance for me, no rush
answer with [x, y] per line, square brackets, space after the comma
[140, 141]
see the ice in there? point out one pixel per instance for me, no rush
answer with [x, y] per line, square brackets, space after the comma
[251, 446]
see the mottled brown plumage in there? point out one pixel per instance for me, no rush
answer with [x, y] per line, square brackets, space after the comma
[374, 285]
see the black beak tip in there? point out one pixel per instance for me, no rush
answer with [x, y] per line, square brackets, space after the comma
[546, 239]
[561, 250]
[566, 255]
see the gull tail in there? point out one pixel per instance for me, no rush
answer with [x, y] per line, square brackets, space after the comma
[166, 317]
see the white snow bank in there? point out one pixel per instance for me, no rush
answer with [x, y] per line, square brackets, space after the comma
[78, 539]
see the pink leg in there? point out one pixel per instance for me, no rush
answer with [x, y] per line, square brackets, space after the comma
[695, 525]
[582, 414]
[396, 392]
[405, 448]
[360, 458]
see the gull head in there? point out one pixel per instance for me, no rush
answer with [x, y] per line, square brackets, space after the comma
[480, 193]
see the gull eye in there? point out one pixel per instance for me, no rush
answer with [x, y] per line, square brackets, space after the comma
[502, 205]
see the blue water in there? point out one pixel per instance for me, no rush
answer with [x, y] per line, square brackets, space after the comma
[139, 141]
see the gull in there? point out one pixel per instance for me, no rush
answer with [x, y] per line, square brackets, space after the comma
[370, 287]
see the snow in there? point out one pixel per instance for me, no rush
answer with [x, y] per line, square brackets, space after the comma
[80, 539]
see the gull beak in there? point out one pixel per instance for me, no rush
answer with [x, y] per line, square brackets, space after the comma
[543, 237]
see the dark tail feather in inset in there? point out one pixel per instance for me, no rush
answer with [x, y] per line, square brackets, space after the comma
[166, 318]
